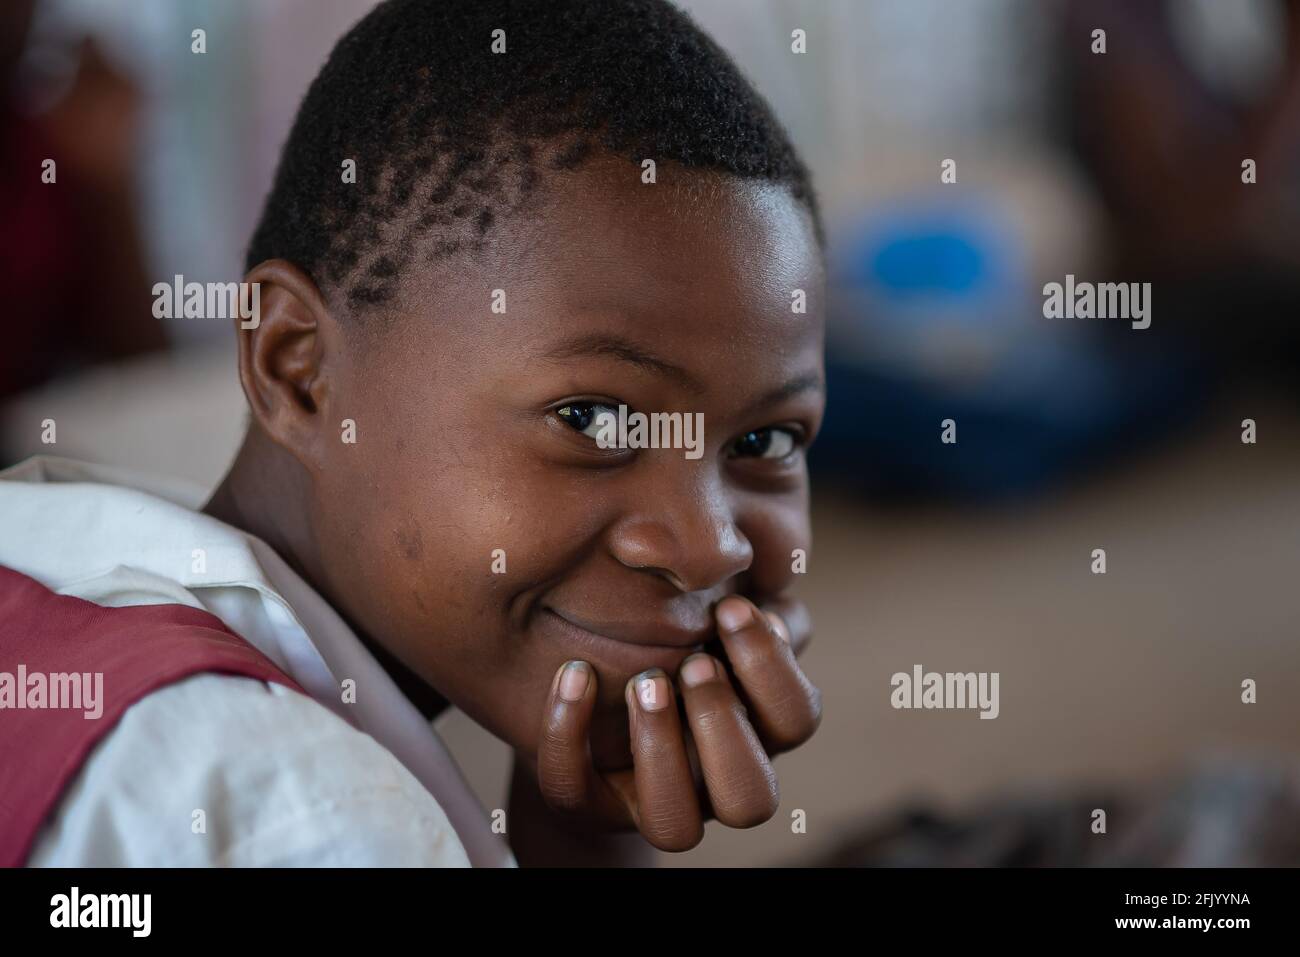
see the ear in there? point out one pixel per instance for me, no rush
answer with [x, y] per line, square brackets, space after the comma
[285, 357]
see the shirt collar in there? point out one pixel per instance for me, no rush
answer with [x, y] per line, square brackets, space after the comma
[74, 521]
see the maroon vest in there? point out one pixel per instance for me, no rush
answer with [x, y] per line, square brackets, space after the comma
[137, 649]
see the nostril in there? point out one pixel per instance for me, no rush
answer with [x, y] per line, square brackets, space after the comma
[667, 574]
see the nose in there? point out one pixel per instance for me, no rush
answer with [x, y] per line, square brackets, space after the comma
[692, 540]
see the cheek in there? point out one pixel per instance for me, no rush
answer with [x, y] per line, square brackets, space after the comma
[435, 559]
[445, 564]
[415, 539]
[776, 532]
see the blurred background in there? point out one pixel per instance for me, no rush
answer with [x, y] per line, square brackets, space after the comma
[1121, 690]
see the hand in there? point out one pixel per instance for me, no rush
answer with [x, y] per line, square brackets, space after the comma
[741, 708]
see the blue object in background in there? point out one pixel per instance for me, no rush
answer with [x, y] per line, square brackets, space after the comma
[934, 317]
[931, 260]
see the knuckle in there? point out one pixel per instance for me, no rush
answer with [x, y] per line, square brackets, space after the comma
[716, 716]
[654, 747]
[559, 777]
[562, 792]
[708, 720]
[553, 747]
[753, 655]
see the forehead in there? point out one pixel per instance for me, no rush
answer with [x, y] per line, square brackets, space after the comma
[693, 260]
[691, 238]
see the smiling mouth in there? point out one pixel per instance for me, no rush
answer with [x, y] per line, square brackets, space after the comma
[624, 657]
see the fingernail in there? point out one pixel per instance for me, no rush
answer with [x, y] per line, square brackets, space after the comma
[698, 669]
[652, 692]
[734, 614]
[573, 681]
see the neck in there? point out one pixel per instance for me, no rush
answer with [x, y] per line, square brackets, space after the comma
[265, 494]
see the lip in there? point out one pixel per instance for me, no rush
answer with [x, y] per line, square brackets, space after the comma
[646, 633]
[623, 655]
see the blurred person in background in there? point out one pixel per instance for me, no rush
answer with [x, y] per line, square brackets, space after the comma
[70, 254]
[1164, 121]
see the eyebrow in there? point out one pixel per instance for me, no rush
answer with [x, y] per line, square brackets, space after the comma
[808, 382]
[616, 347]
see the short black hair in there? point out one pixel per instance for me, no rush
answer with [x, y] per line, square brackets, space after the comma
[448, 136]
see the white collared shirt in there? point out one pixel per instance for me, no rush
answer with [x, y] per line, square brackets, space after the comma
[279, 778]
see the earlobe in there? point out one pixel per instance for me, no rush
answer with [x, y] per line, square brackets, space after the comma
[283, 358]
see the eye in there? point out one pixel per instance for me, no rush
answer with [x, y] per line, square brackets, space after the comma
[584, 417]
[768, 443]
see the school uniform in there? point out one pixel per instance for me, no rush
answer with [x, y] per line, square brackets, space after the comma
[225, 738]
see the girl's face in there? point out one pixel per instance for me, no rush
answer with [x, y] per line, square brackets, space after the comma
[479, 531]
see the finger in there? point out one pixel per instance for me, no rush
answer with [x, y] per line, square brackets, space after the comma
[667, 809]
[794, 616]
[565, 773]
[737, 773]
[786, 707]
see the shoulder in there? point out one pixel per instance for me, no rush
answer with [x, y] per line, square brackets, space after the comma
[216, 770]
